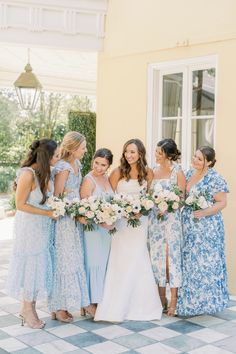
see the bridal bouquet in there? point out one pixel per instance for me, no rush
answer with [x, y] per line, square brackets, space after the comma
[166, 200]
[132, 206]
[58, 205]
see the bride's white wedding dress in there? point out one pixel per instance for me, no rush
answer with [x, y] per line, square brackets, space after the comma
[130, 291]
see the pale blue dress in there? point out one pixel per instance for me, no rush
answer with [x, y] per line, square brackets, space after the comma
[69, 290]
[30, 272]
[97, 248]
[204, 288]
[166, 232]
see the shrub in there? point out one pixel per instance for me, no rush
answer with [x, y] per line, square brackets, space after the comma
[85, 123]
[7, 176]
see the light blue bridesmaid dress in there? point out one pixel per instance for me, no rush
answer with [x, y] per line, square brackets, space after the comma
[30, 272]
[69, 290]
[97, 248]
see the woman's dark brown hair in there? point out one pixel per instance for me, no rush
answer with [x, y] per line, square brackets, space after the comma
[209, 155]
[169, 147]
[125, 167]
[40, 153]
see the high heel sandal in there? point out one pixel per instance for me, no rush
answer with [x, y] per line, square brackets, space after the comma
[58, 316]
[82, 311]
[172, 309]
[89, 310]
[33, 323]
[35, 312]
[164, 302]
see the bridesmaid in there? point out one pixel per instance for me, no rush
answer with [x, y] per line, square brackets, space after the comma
[165, 236]
[97, 242]
[204, 286]
[30, 270]
[69, 283]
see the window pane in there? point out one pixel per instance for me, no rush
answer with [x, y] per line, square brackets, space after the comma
[172, 95]
[203, 94]
[172, 128]
[202, 133]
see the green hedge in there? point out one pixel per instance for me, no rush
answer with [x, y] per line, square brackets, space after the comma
[7, 176]
[85, 123]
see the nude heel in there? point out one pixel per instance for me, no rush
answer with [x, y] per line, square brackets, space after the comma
[82, 311]
[22, 320]
[53, 316]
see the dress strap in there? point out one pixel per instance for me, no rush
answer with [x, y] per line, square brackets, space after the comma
[174, 174]
[89, 176]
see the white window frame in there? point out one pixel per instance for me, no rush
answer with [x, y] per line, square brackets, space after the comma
[154, 104]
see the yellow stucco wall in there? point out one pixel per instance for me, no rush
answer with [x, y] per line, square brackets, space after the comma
[122, 77]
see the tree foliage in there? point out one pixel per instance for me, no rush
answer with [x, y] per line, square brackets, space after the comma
[19, 128]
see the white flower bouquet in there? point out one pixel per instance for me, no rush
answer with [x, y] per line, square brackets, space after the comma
[166, 200]
[107, 214]
[131, 207]
[58, 205]
[197, 201]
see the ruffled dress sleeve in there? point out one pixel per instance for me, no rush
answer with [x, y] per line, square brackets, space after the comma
[61, 166]
[218, 183]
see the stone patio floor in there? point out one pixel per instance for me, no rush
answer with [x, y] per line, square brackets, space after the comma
[197, 335]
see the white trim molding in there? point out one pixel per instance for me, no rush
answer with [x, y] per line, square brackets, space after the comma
[62, 23]
[154, 107]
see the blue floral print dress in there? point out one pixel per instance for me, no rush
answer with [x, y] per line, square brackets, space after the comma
[204, 286]
[163, 233]
[69, 290]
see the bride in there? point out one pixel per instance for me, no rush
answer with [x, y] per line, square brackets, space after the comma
[130, 291]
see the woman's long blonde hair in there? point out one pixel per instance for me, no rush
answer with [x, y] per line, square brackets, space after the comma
[70, 143]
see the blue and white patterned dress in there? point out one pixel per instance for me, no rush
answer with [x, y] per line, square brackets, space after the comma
[204, 287]
[163, 233]
[30, 272]
[69, 291]
[97, 245]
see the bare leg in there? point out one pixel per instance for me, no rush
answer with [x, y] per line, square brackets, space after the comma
[162, 293]
[29, 315]
[173, 301]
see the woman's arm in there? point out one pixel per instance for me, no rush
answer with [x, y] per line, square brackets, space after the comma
[220, 203]
[114, 178]
[149, 178]
[87, 188]
[24, 187]
[181, 181]
[60, 181]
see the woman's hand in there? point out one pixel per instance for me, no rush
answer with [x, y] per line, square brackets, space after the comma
[82, 220]
[198, 214]
[137, 216]
[107, 227]
[51, 215]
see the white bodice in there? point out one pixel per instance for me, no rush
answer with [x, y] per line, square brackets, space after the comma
[131, 186]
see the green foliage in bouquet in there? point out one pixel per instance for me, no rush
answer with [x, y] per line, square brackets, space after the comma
[85, 123]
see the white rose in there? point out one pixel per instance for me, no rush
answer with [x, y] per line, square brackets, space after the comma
[90, 214]
[82, 210]
[172, 196]
[175, 205]
[163, 206]
[202, 203]
[158, 187]
[189, 200]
